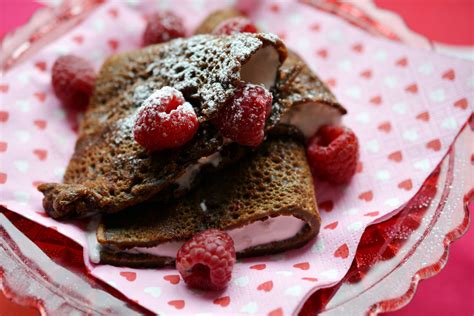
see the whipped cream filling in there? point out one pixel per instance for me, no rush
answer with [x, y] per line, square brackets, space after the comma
[92, 243]
[185, 181]
[262, 67]
[308, 117]
[254, 234]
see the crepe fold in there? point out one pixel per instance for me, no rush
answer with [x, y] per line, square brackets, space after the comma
[272, 182]
[109, 171]
[301, 98]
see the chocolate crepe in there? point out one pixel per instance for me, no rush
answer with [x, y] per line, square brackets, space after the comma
[109, 171]
[274, 181]
[300, 97]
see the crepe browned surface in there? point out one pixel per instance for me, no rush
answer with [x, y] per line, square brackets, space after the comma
[109, 171]
[273, 181]
[296, 84]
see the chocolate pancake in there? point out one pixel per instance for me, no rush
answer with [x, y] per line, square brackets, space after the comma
[301, 97]
[109, 171]
[271, 189]
[305, 101]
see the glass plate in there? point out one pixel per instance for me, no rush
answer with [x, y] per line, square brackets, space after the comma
[391, 258]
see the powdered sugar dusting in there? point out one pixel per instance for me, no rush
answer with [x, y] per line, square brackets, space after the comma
[163, 96]
[243, 118]
[124, 132]
[141, 93]
[165, 120]
[206, 67]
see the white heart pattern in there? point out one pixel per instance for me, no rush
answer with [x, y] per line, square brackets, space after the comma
[422, 165]
[437, 95]
[24, 78]
[354, 92]
[426, 69]
[22, 197]
[293, 291]
[22, 165]
[355, 226]
[470, 82]
[250, 308]
[363, 117]
[383, 175]
[24, 105]
[59, 172]
[330, 274]
[373, 146]
[449, 123]
[400, 107]
[345, 65]
[390, 81]
[242, 281]
[393, 202]
[23, 136]
[318, 246]
[411, 135]
[285, 273]
[380, 55]
[153, 291]
[352, 211]
[335, 35]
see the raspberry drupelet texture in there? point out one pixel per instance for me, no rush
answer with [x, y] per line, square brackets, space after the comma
[206, 260]
[333, 153]
[162, 27]
[235, 25]
[242, 119]
[73, 80]
[165, 120]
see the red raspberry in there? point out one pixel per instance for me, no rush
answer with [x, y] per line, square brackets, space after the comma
[73, 81]
[206, 261]
[165, 121]
[162, 27]
[333, 153]
[235, 25]
[242, 119]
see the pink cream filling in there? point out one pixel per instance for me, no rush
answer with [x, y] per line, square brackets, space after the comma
[255, 234]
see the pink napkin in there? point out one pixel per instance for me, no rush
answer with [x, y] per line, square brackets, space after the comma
[405, 105]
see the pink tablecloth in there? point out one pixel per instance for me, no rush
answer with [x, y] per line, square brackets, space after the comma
[451, 290]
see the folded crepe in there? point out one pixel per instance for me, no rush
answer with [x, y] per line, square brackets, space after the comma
[109, 171]
[266, 202]
[301, 98]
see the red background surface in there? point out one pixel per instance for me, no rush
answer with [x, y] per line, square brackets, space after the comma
[446, 21]
[450, 22]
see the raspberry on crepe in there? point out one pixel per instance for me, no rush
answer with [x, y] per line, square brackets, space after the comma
[165, 120]
[243, 117]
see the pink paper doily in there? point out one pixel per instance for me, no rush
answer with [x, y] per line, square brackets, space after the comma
[333, 305]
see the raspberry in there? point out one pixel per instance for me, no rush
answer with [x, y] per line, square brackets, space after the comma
[242, 119]
[73, 81]
[162, 27]
[165, 121]
[206, 261]
[333, 153]
[235, 25]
